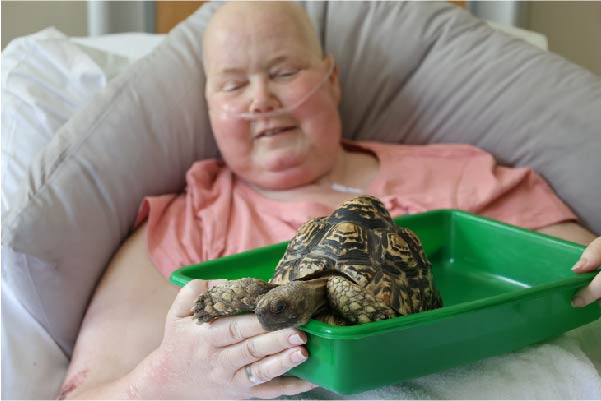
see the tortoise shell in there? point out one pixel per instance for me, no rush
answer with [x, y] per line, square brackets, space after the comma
[361, 242]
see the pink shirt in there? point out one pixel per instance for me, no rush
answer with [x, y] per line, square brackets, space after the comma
[220, 214]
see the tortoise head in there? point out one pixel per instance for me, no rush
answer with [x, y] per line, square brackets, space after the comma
[291, 304]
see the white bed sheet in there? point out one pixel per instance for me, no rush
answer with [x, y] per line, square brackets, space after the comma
[33, 367]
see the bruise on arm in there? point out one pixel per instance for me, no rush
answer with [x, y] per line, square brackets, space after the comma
[71, 383]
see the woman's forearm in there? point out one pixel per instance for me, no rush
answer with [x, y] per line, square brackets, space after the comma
[569, 231]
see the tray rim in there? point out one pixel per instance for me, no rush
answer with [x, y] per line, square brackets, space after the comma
[324, 330]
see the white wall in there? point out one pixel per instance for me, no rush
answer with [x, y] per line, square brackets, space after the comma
[75, 18]
[573, 29]
[24, 17]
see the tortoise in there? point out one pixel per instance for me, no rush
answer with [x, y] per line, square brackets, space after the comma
[352, 267]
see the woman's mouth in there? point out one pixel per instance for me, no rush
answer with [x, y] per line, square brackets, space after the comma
[275, 131]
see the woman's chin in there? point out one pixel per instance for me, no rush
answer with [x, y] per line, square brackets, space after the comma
[286, 176]
[275, 161]
[286, 168]
[286, 162]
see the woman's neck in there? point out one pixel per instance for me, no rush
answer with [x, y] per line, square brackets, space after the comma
[351, 175]
[349, 172]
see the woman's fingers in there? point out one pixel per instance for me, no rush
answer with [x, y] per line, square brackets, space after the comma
[591, 257]
[588, 294]
[256, 348]
[231, 330]
[232, 355]
[590, 260]
[270, 367]
[182, 305]
[186, 297]
[287, 385]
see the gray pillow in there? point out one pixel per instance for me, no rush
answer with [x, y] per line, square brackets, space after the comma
[415, 72]
[432, 73]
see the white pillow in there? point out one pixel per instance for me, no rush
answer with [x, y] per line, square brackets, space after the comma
[133, 45]
[46, 78]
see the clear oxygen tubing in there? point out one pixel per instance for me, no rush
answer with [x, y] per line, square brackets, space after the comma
[278, 112]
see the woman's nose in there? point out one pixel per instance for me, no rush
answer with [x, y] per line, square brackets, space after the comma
[263, 99]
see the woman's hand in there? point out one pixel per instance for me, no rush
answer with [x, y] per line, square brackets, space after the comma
[590, 259]
[232, 357]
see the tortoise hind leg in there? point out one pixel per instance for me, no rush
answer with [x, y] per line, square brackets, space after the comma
[355, 304]
[229, 298]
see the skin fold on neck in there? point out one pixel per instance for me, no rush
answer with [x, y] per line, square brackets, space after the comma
[354, 169]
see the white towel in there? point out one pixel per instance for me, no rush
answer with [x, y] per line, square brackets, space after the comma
[568, 367]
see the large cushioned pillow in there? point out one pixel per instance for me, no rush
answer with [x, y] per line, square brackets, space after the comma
[415, 72]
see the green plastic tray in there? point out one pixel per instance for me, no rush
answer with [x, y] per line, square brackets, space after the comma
[503, 288]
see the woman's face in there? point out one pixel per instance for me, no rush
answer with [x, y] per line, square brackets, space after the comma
[260, 62]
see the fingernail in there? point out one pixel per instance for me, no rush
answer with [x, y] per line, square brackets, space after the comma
[581, 263]
[298, 356]
[578, 302]
[296, 339]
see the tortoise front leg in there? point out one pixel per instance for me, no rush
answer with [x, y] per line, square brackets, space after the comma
[355, 304]
[227, 299]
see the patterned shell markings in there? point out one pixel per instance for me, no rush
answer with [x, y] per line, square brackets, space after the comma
[361, 241]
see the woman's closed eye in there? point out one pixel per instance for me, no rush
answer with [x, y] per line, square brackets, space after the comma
[284, 74]
[233, 85]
